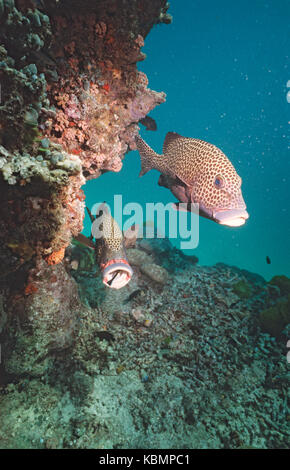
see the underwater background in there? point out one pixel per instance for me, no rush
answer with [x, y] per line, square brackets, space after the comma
[194, 351]
[224, 67]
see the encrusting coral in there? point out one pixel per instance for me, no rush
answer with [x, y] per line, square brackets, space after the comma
[71, 100]
[242, 289]
[283, 283]
[274, 319]
[49, 325]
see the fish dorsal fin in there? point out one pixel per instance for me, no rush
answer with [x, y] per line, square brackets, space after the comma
[171, 142]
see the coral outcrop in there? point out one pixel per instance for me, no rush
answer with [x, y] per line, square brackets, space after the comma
[71, 98]
[283, 283]
[43, 323]
[183, 364]
[276, 316]
[274, 319]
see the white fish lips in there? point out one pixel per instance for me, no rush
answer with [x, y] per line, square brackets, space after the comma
[231, 217]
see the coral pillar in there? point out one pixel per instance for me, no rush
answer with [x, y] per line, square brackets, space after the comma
[71, 99]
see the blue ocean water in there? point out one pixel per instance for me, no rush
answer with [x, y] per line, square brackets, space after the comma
[224, 67]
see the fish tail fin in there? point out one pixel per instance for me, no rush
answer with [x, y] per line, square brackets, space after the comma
[147, 154]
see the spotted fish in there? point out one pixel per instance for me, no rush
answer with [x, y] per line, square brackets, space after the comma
[109, 246]
[197, 172]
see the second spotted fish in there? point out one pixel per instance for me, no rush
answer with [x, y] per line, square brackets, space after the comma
[198, 172]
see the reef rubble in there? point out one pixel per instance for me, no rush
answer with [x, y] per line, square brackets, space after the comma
[182, 363]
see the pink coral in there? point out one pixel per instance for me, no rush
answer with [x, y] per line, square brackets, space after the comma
[100, 100]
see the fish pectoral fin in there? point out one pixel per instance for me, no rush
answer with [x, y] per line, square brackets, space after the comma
[182, 206]
[162, 181]
[174, 205]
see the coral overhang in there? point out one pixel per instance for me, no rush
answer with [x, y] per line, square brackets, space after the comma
[71, 99]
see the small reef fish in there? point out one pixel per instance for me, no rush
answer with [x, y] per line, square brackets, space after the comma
[149, 123]
[268, 261]
[110, 249]
[132, 296]
[196, 171]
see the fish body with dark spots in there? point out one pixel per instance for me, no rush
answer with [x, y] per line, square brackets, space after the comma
[109, 246]
[197, 172]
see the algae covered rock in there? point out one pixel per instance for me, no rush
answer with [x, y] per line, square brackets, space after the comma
[147, 266]
[273, 320]
[41, 321]
[242, 289]
[155, 273]
[283, 282]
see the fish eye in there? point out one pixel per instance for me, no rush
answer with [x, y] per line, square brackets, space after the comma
[218, 182]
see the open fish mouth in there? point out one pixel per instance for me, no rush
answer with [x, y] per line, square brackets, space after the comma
[117, 274]
[231, 217]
